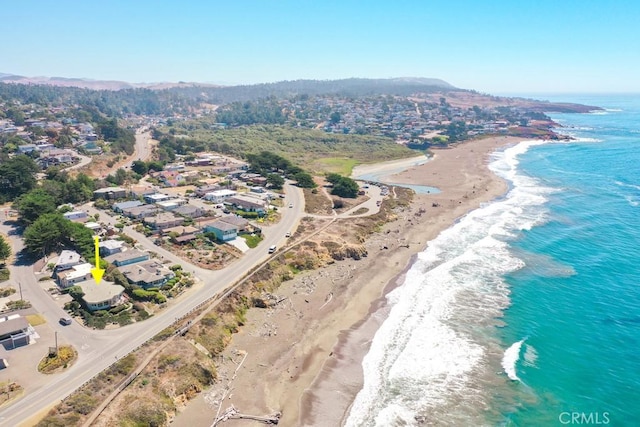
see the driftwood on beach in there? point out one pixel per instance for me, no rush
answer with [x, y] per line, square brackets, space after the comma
[233, 413]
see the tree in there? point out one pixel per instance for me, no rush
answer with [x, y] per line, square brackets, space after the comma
[304, 180]
[343, 186]
[5, 250]
[275, 181]
[76, 292]
[335, 117]
[139, 167]
[45, 234]
[17, 176]
[52, 231]
[33, 204]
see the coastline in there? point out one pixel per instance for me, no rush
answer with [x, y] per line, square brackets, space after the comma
[303, 357]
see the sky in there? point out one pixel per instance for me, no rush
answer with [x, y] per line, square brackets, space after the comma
[498, 47]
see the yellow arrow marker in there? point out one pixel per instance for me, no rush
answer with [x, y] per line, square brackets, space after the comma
[97, 272]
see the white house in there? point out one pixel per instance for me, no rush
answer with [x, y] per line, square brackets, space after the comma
[110, 247]
[219, 196]
[67, 259]
[76, 215]
[156, 197]
[75, 274]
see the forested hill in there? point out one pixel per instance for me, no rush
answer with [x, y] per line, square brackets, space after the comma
[347, 87]
[182, 100]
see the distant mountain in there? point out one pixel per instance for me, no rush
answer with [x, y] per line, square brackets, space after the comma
[93, 84]
[355, 86]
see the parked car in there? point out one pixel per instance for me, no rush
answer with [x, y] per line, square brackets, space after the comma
[290, 205]
[66, 321]
[288, 234]
[272, 249]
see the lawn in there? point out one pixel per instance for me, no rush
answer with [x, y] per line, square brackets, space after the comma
[252, 240]
[35, 319]
[340, 165]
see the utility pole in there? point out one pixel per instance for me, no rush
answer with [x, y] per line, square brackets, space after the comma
[56, 342]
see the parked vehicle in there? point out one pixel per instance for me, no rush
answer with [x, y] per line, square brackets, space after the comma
[66, 321]
[272, 249]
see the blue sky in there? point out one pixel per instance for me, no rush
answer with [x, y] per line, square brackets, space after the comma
[491, 46]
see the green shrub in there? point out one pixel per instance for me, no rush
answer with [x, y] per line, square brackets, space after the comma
[5, 292]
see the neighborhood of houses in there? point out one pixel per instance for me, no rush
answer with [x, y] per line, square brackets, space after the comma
[82, 138]
[210, 210]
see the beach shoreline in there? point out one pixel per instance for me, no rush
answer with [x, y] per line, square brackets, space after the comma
[304, 357]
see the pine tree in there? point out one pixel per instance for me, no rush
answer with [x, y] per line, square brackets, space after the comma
[5, 250]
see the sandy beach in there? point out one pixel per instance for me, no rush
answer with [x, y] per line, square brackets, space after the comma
[303, 357]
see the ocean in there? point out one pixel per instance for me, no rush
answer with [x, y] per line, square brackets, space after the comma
[526, 312]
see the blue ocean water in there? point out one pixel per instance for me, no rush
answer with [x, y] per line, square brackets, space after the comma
[526, 312]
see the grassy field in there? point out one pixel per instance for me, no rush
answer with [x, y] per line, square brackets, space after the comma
[340, 165]
[311, 149]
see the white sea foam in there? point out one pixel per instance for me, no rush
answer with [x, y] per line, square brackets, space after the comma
[624, 184]
[510, 359]
[427, 350]
[530, 356]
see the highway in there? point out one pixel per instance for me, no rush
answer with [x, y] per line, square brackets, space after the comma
[98, 349]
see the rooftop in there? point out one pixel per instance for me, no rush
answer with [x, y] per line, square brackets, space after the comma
[221, 225]
[94, 293]
[126, 255]
[68, 257]
[11, 326]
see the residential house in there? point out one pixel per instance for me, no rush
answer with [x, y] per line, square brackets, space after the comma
[141, 190]
[119, 207]
[67, 260]
[76, 216]
[201, 191]
[75, 274]
[130, 256]
[247, 204]
[27, 148]
[147, 274]
[240, 223]
[156, 197]
[219, 196]
[223, 230]
[110, 193]
[15, 330]
[140, 212]
[110, 247]
[183, 234]
[93, 226]
[163, 220]
[169, 205]
[189, 211]
[102, 296]
[169, 178]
